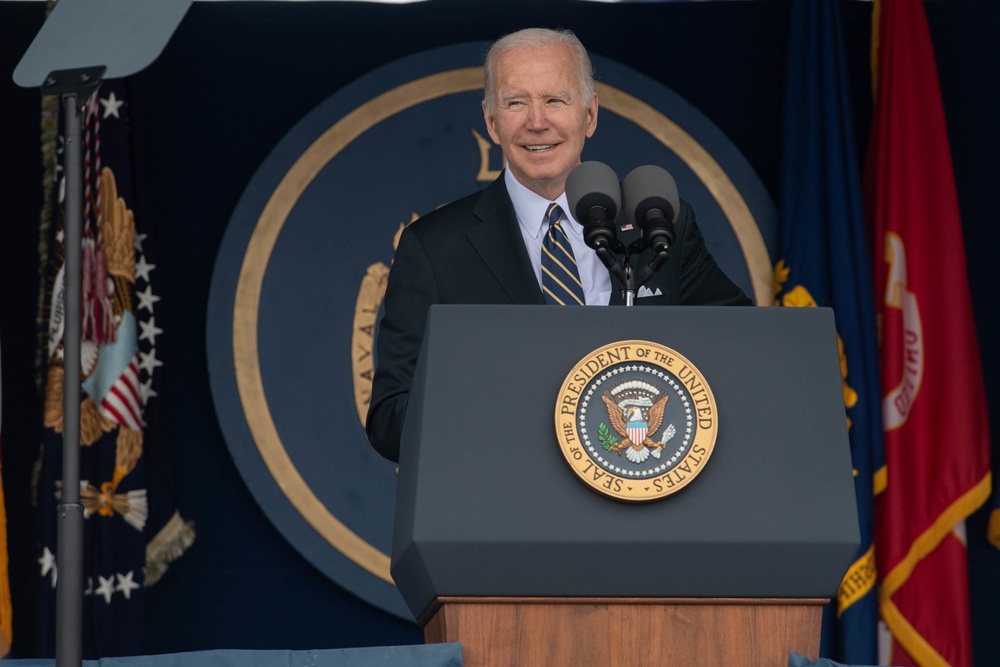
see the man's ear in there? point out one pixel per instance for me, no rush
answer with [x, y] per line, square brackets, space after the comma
[490, 125]
[592, 117]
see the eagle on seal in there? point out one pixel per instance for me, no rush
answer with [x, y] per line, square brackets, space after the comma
[630, 424]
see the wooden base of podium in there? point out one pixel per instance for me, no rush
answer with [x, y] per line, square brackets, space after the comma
[525, 632]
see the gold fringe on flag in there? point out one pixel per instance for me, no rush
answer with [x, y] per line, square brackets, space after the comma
[167, 546]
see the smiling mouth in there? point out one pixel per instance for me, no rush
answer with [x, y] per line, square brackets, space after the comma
[542, 147]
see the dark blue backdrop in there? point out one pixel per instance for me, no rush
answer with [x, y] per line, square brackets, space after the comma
[234, 79]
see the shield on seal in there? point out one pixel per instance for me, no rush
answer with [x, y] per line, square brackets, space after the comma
[636, 432]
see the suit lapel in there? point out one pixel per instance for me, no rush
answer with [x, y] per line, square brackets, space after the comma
[498, 242]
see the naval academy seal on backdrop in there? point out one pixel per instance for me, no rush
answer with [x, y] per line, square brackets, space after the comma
[301, 272]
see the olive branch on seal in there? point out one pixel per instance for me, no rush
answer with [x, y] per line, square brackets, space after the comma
[607, 438]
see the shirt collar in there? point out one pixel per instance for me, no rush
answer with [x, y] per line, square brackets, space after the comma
[530, 208]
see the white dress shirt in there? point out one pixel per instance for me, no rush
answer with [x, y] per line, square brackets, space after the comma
[530, 208]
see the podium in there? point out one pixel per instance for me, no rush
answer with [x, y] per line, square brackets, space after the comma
[500, 546]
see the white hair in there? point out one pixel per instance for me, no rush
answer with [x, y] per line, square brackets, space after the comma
[536, 37]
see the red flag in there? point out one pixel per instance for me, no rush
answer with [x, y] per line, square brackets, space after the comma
[6, 628]
[937, 448]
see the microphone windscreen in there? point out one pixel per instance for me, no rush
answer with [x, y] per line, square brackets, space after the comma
[650, 187]
[593, 184]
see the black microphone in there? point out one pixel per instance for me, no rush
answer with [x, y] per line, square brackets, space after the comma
[594, 196]
[652, 204]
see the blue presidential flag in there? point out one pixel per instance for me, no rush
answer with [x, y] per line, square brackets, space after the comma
[824, 261]
[132, 529]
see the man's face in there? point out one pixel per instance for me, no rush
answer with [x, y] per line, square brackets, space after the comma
[539, 118]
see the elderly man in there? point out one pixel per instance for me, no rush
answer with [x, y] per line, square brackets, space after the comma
[515, 242]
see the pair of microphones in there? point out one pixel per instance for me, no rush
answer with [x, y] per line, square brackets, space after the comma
[651, 205]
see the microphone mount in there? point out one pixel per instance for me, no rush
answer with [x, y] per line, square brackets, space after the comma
[651, 204]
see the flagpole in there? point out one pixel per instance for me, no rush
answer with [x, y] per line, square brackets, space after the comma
[74, 88]
[69, 584]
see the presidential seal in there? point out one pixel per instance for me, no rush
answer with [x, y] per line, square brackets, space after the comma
[636, 421]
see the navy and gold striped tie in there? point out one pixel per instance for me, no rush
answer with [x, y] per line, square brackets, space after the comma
[560, 277]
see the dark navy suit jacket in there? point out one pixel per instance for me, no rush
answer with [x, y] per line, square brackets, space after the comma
[471, 251]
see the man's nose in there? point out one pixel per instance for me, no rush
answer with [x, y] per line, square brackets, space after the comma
[537, 116]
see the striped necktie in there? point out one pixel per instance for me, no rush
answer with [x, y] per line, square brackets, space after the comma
[560, 278]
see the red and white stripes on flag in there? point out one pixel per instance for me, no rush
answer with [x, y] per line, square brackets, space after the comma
[123, 402]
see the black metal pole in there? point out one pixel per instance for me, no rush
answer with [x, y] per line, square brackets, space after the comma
[69, 538]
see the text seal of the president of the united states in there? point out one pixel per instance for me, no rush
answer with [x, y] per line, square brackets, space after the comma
[636, 421]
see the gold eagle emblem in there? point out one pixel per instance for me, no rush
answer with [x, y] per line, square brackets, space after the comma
[622, 417]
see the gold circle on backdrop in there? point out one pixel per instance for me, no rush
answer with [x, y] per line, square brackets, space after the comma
[246, 308]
